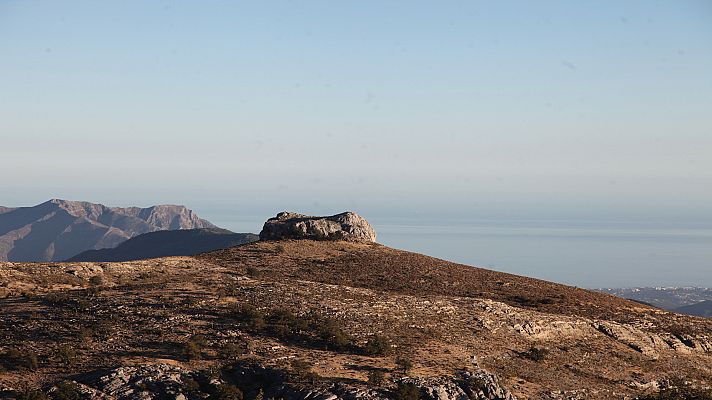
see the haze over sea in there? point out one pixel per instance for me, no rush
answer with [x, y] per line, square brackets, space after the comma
[590, 254]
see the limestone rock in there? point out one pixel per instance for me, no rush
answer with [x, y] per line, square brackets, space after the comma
[347, 226]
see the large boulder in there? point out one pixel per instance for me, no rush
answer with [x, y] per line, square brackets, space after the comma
[347, 226]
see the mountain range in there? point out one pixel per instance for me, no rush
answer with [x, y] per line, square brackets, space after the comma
[59, 229]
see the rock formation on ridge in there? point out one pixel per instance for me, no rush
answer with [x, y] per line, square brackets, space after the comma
[347, 226]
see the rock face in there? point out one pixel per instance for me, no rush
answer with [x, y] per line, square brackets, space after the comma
[347, 226]
[162, 381]
[59, 229]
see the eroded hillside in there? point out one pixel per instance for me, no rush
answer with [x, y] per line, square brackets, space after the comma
[315, 318]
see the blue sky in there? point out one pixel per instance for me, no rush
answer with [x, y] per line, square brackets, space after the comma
[559, 109]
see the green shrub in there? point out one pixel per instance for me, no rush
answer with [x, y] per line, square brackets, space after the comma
[253, 272]
[66, 391]
[232, 350]
[377, 345]
[192, 351]
[30, 394]
[251, 317]
[67, 355]
[537, 354]
[96, 280]
[227, 392]
[302, 371]
[406, 391]
[376, 378]
[331, 332]
[404, 364]
[17, 359]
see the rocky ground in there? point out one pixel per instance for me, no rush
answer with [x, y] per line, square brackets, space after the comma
[326, 320]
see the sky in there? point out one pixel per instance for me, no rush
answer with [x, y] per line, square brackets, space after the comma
[513, 109]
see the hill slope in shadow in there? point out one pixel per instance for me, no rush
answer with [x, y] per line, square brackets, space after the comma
[186, 242]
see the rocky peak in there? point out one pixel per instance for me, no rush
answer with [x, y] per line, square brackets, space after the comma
[347, 226]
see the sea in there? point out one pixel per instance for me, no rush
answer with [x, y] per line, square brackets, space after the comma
[588, 254]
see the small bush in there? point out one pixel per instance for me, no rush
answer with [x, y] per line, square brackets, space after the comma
[376, 378]
[377, 345]
[192, 350]
[232, 351]
[251, 317]
[333, 335]
[253, 272]
[285, 324]
[103, 328]
[537, 354]
[17, 359]
[30, 394]
[66, 391]
[406, 391]
[404, 364]
[96, 280]
[302, 371]
[227, 392]
[67, 355]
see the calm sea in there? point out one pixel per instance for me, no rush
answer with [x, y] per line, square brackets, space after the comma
[588, 254]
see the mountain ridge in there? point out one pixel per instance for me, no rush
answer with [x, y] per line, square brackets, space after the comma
[58, 229]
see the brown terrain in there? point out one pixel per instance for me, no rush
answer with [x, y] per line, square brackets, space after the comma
[331, 317]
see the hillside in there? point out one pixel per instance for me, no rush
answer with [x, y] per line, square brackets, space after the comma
[59, 229]
[701, 309]
[185, 242]
[300, 319]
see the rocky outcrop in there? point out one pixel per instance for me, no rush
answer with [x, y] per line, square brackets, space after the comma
[347, 226]
[478, 385]
[163, 381]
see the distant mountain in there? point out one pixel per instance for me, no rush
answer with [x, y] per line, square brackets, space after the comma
[59, 229]
[168, 243]
[701, 309]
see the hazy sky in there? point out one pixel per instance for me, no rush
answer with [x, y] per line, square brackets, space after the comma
[559, 109]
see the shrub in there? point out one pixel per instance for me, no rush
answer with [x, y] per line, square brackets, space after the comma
[227, 392]
[231, 351]
[66, 391]
[20, 359]
[376, 378]
[96, 280]
[191, 386]
[302, 371]
[406, 391]
[30, 394]
[251, 317]
[67, 355]
[103, 328]
[193, 350]
[284, 323]
[331, 332]
[377, 345]
[535, 354]
[253, 272]
[404, 364]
